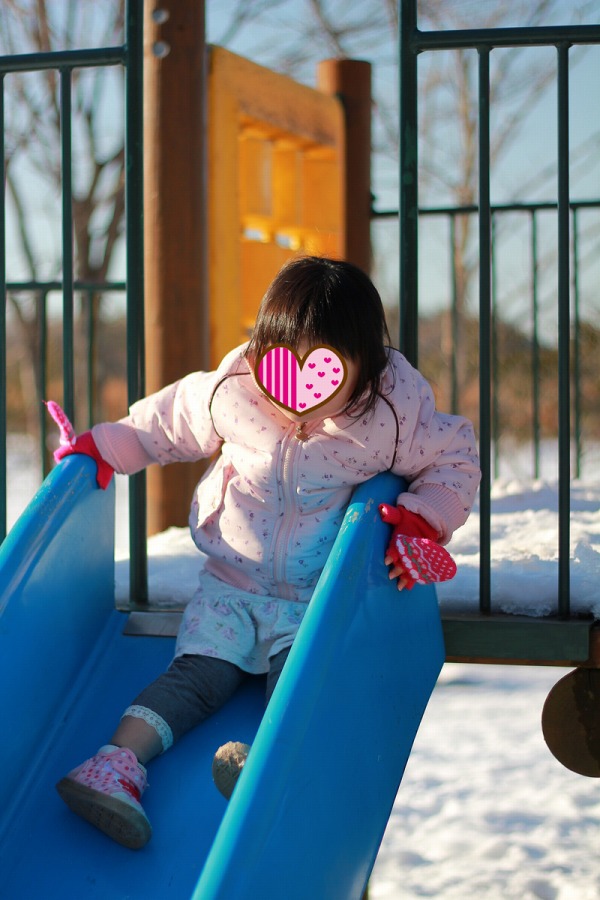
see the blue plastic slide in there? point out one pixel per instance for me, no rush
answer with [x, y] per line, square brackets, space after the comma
[310, 809]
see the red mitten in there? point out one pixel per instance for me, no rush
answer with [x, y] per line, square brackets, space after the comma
[414, 550]
[82, 443]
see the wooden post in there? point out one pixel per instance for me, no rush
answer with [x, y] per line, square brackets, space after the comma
[350, 80]
[177, 336]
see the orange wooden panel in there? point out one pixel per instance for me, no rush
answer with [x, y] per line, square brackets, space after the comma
[287, 174]
[256, 175]
[275, 174]
[320, 194]
[276, 101]
[260, 263]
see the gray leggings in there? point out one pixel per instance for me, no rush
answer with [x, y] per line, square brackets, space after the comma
[194, 687]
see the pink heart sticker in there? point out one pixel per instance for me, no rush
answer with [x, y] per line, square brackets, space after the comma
[280, 374]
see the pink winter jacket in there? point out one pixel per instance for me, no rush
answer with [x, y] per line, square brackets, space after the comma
[267, 511]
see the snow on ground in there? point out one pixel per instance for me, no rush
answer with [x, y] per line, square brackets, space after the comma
[484, 811]
[524, 533]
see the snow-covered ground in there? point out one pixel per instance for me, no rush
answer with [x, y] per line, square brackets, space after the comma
[484, 811]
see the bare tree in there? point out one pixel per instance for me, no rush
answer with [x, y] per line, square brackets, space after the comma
[33, 169]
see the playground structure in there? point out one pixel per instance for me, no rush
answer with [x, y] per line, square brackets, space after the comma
[299, 142]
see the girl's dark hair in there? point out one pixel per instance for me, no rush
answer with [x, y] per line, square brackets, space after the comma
[327, 301]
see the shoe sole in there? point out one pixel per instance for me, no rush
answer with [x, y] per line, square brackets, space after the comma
[228, 762]
[117, 819]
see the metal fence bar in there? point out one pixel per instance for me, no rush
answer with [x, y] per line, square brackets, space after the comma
[485, 332]
[535, 347]
[3, 371]
[409, 178]
[577, 423]
[42, 376]
[473, 208]
[495, 365]
[564, 337]
[49, 286]
[90, 336]
[69, 59]
[455, 320]
[134, 205]
[67, 245]
[488, 38]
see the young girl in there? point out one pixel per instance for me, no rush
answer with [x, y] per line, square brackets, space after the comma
[268, 510]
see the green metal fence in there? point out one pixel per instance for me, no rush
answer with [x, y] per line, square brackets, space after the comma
[130, 56]
[530, 304]
[412, 43]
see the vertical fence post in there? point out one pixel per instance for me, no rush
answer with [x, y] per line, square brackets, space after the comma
[535, 350]
[485, 330]
[134, 210]
[409, 192]
[454, 321]
[90, 335]
[67, 244]
[496, 425]
[577, 369]
[42, 301]
[564, 337]
[3, 372]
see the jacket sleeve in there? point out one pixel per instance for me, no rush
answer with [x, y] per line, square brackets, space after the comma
[172, 425]
[436, 454]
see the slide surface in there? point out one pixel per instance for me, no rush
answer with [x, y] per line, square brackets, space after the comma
[310, 809]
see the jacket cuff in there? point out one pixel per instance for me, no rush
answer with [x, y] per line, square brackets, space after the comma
[119, 445]
[439, 506]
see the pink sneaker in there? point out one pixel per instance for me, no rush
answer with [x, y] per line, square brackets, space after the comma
[106, 790]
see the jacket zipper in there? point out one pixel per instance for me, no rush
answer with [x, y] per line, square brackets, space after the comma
[289, 454]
